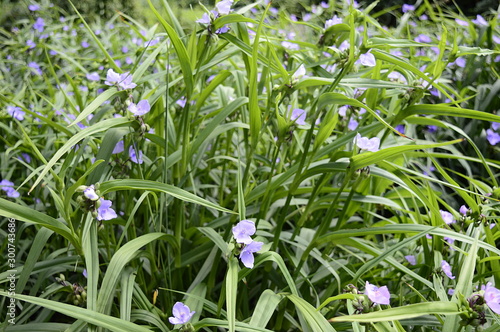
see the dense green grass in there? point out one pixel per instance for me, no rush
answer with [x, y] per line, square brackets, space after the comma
[274, 120]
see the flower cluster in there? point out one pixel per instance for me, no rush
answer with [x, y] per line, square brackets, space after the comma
[8, 187]
[92, 202]
[222, 8]
[242, 233]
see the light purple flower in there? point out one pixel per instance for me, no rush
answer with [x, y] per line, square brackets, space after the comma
[496, 39]
[353, 124]
[26, 157]
[85, 44]
[181, 102]
[182, 314]
[492, 137]
[367, 59]
[495, 125]
[243, 231]
[141, 108]
[447, 269]
[451, 291]
[447, 217]
[299, 116]
[411, 259]
[34, 7]
[8, 187]
[112, 77]
[16, 112]
[492, 298]
[423, 17]
[30, 43]
[105, 212]
[224, 29]
[90, 193]
[480, 21]
[39, 24]
[84, 273]
[364, 143]
[406, 8]
[224, 7]
[133, 155]
[460, 62]
[464, 210]
[331, 22]
[423, 39]
[343, 110]
[400, 128]
[246, 254]
[377, 295]
[93, 76]
[461, 22]
[126, 81]
[119, 147]
[36, 67]
[299, 73]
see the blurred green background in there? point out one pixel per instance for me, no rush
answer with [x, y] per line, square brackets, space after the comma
[14, 10]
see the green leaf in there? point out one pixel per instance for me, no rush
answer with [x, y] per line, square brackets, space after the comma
[404, 312]
[128, 184]
[89, 316]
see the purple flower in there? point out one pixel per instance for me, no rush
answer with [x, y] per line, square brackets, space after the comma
[123, 80]
[119, 147]
[224, 29]
[141, 108]
[432, 128]
[496, 39]
[181, 102]
[246, 255]
[205, 19]
[324, 4]
[243, 231]
[299, 116]
[224, 7]
[343, 110]
[93, 76]
[34, 7]
[411, 259]
[16, 112]
[85, 44]
[492, 298]
[30, 43]
[480, 21]
[377, 295]
[367, 59]
[460, 62]
[334, 20]
[182, 314]
[423, 17]
[39, 24]
[406, 8]
[464, 210]
[462, 23]
[423, 39]
[447, 269]
[36, 67]
[90, 193]
[364, 143]
[26, 157]
[84, 273]
[400, 128]
[447, 217]
[133, 155]
[105, 212]
[451, 291]
[8, 187]
[492, 137]
[124, 49]
[495, 125]
[353, 124]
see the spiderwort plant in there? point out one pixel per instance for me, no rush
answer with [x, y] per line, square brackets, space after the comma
[181, 316]
[242, 233]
